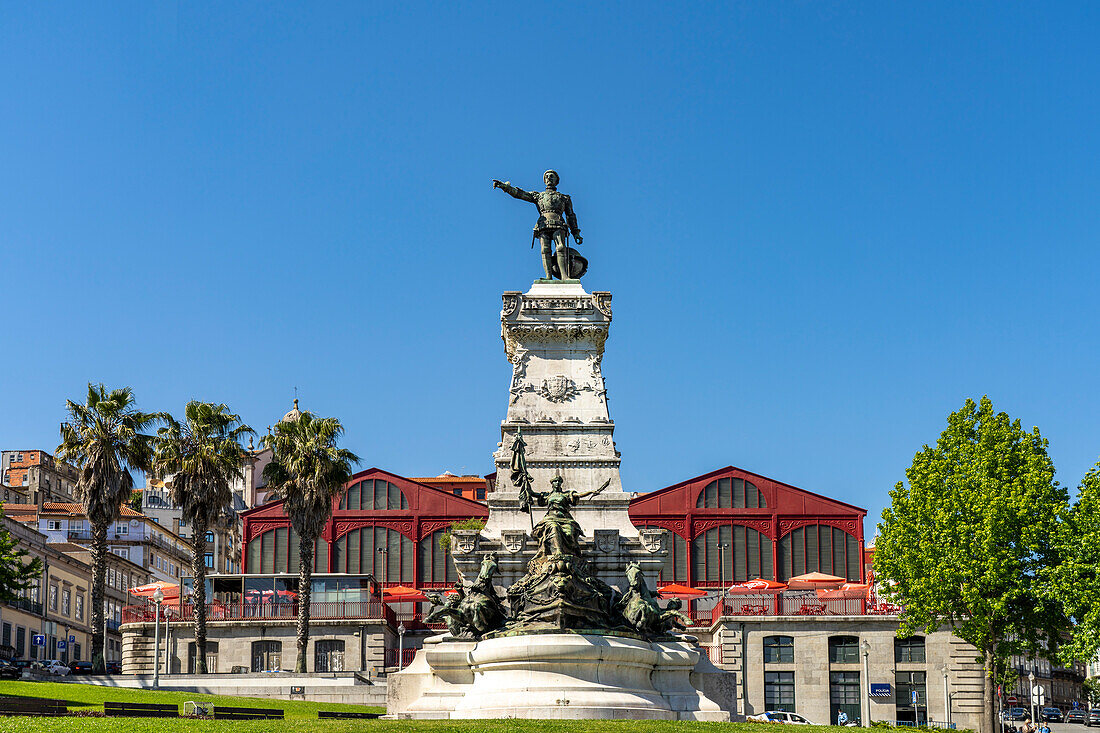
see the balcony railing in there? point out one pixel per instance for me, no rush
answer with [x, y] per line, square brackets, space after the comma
[798, 604]
[319, 610]
[415, 621]
[26, 604]
[406, 657]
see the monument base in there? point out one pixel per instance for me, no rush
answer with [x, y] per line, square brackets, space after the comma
[552, 676]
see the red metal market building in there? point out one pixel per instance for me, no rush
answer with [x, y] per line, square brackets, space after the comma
[722, 527]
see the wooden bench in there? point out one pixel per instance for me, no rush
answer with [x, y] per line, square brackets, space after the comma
[32, 706]
[346, 715]
[222, 712]
[140, 710]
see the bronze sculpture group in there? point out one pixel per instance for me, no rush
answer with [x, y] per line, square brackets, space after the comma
[559, 592]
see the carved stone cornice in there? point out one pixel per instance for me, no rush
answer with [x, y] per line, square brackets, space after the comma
[517, 335]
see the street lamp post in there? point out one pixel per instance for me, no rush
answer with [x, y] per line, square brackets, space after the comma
[158, 598]
[866, 717]
[400, 646]
[384, 552]
[946, 697]
[1031, 694]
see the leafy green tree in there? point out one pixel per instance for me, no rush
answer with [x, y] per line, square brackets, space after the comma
[105, 437]
[307, 471]
[1076, 580]
[18, 570]
[1090, 690]
[203, 455]
[968, 541]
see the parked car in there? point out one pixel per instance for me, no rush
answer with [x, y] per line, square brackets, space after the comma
[780, 716]
[1051, 715]
[1018, 714]
[82, 667]
[114, 667]
[55, 667]
[1076, 716]
[1094, 717]
[22, 664]
[9, 670]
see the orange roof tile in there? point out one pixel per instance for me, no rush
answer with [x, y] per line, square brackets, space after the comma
[449, 479]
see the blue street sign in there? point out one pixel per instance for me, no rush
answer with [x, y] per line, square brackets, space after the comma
[914, 696]
[61, 645]
[880, 689]
[38, 640]
[72, 638]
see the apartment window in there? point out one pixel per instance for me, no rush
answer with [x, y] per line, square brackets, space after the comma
[843, 650]
[266, 656]
[79, 606]
[121, 529]
[328, 655]
[211, 657]
[208, 560]
[66, 602]
[909, 650]
[906, 683]
[480, 493]
[209, 536]
[844, 695]
[5, 638]
[779, 649]
[779, 691]
[53, 596]
[122, 552]
[20, 641]
[54, 525]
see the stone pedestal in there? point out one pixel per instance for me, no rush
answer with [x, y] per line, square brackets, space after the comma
[554, 336]
[574, 676]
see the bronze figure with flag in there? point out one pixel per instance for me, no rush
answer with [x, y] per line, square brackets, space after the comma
[520, 478]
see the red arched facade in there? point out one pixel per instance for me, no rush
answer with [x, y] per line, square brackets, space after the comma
[382, 524]
[722, 527]
[731, 525]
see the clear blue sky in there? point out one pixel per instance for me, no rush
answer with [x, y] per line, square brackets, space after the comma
[824, 225]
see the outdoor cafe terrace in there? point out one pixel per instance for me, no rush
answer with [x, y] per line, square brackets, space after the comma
[360, 597]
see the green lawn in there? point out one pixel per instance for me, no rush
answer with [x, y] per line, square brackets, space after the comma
[301, 717]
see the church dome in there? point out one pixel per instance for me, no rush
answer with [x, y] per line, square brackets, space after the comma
[294, 414]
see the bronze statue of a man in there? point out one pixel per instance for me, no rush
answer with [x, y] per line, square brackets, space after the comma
[556, 222]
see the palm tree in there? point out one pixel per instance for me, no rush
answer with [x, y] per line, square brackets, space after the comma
[106, 438]
[203, 455]
[307, 471]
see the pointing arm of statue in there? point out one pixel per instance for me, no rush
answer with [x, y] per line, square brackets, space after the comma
[516, 193]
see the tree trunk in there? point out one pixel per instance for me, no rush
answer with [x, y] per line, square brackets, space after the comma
[99, 576]
[988, 681]
[305, 574]
[198, 597]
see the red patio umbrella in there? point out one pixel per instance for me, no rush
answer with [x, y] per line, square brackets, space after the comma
[760, 585]
[402, 594]
[846, 591]
[814, 580]
[680, 591]
[170, 590]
